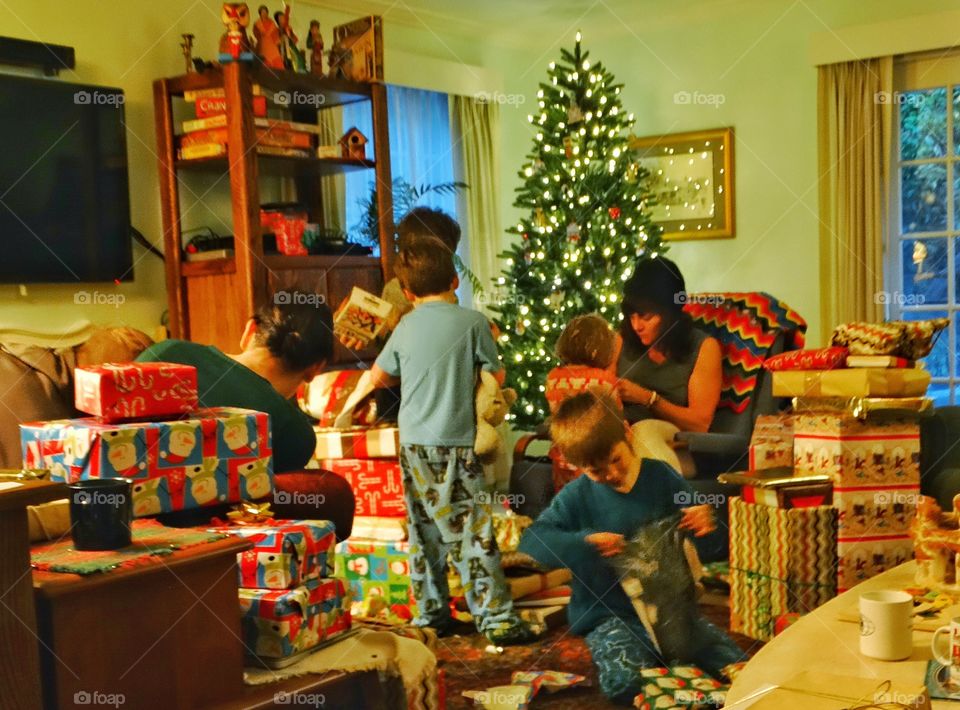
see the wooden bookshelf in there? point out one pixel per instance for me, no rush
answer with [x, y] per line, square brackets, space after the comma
[209, 301]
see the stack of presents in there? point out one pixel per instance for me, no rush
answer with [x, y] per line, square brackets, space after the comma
[375, 561]
[835, 482]
[147, 427]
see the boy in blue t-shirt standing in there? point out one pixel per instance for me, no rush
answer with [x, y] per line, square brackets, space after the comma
[435, 351]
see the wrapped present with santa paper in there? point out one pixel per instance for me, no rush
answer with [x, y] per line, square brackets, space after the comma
[136, 390]
[378, 570]
[356, 443]
[377, 484]
[678, 688]
[878, 451]
[216, 455]
[362, 317]
[285, 553]
[278, 623]
[771, 444]
[851, 382]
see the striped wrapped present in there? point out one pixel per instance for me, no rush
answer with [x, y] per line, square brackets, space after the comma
[357, 443]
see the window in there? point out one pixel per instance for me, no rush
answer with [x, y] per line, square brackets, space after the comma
[923, 258]
[420, 149]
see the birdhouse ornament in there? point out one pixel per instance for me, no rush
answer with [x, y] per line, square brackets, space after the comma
[354, 145]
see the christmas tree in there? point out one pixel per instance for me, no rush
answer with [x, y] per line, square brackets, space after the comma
[585, 199]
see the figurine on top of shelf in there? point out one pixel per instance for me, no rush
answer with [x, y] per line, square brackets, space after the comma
[293, 58]
[315, 45]
[187, 46]
[267, 34]
[234, 44]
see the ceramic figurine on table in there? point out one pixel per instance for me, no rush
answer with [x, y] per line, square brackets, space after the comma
[293, 58]
[234, 44]
[315, 45]
[267, 34]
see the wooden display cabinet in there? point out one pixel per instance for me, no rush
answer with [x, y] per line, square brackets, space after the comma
[209, 301]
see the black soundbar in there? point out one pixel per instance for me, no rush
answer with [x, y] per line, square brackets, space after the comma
[50, 57]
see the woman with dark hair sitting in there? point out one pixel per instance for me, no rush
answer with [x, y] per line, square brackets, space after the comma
[282, 346]
[670, 371]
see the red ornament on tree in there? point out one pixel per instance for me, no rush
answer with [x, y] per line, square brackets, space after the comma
[614, 212]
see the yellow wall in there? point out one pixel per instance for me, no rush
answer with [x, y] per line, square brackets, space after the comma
[753, 53]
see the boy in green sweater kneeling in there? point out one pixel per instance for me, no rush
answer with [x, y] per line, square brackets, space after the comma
[590, 522]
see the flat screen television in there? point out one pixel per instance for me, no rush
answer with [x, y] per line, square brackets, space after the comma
[64, 191]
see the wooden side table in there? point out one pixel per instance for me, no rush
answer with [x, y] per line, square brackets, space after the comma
[163, 635]
[19, 680]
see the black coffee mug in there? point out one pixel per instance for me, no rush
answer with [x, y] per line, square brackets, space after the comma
[101, 511]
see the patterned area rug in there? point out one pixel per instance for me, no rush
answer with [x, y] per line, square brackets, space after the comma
[469, 667]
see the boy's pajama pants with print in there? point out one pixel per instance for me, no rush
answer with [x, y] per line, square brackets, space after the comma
[448, 513]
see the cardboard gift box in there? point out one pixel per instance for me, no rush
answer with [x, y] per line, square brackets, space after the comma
[377, 484]
[136, 390]
[362, 317]
[882, 510]
[851, 382]
[216, 455]
[376, 569]
[781, 560]
[875, 452]
[383, 442]
[860, 558]
[285, 554]
[281, 622]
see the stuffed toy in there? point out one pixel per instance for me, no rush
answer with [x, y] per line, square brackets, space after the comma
[492, 404]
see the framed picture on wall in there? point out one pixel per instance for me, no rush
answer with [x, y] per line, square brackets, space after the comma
[691, 175]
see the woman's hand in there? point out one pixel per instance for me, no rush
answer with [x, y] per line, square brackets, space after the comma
[632, 392]
[698, 519]
[607, 544]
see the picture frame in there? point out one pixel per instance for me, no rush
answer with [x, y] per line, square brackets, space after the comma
[695, 196]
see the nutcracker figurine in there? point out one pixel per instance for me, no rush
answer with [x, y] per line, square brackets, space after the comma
[234, 44]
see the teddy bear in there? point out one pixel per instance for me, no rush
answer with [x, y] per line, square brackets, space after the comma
[492, 405]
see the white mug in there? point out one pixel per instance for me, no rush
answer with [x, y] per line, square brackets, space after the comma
[952, 659]
[886, 625]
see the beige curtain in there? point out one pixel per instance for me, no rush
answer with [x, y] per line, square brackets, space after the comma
[854, 139]
[475, 134]
[333, 187]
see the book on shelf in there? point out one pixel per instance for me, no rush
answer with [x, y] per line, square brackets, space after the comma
[888, 361]
[209, 255]
[217, 150]
[265, 136]
[191, 95]
[220, 121]
[207, 106]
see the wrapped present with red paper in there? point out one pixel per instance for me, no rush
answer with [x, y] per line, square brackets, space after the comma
[378, 570]
[216, 455]
[287, 223]
[324, 396]
[285, 553]
[874, 452]
[357, 443]
[377, 484]
[277, 623]
[678, 688]
[136, 390]
[362, 317]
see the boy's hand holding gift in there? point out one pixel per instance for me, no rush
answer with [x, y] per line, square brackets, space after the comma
[698, 519]
[607, 544]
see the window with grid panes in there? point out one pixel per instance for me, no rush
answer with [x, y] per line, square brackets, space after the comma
[923, 258]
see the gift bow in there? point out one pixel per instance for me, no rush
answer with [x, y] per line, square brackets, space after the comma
[248, 513]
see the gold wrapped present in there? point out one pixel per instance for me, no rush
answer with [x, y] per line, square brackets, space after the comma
[851, 382]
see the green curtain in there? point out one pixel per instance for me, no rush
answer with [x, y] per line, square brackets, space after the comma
[475, 137]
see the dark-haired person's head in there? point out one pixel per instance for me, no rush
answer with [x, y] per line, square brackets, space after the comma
[425, 268]
[652, 307]
[429, 222]
[297, 335]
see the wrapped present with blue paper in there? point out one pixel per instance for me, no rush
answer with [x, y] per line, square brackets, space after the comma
[212, 456]
[377, 571]
[278, 623]
[285, 553]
